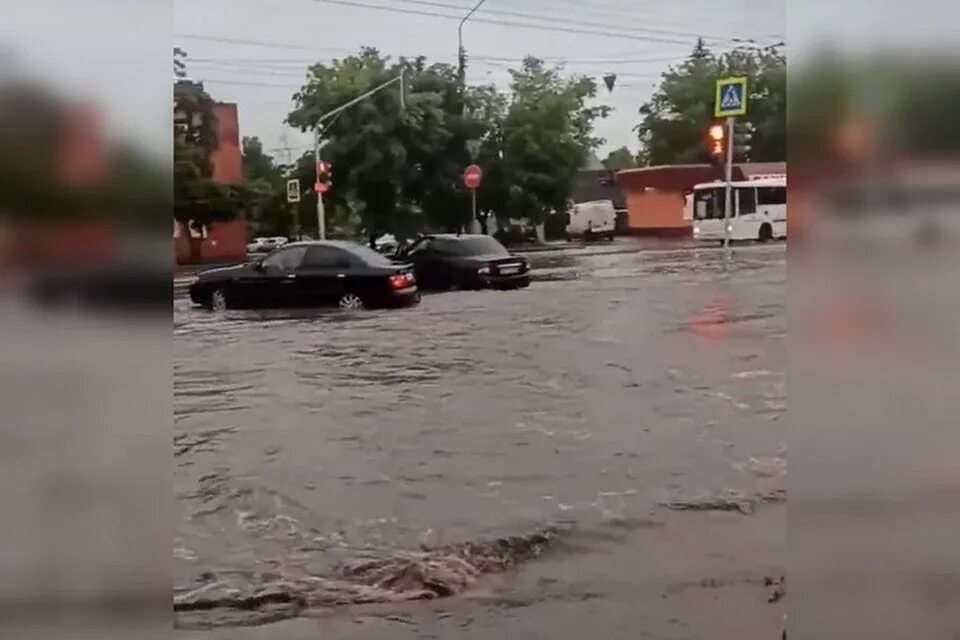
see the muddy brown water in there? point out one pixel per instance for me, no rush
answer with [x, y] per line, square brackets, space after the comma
[501, 450]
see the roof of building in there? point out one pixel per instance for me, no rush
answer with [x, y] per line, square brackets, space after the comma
[683, 177]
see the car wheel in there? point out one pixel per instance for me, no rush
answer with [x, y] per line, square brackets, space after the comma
[350, 302]
[218, 299]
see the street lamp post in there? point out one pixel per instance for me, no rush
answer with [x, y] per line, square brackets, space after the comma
[461, 55]
[319, 142]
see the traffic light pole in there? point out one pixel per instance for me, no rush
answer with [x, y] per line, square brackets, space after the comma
[728, 191]
[318, 143]
[321, 214]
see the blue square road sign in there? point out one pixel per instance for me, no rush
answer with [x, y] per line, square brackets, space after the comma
[731, 97]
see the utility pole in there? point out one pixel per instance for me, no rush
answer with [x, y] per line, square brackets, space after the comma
[179, 63]
[319, 143]
[291, 173]
[462, 55]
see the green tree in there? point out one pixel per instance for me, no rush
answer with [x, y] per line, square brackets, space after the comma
[620, 159]
[394, 165]
[674, 122]
[544, 140]
[268, 213]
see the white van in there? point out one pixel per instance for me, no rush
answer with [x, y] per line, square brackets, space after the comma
[589, 220]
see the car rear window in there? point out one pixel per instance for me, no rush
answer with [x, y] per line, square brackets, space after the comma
[480, 246]
[371, 257]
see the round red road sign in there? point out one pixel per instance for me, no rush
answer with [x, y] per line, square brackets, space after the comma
[472, 176]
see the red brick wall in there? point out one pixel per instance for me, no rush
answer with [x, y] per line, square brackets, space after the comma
[227, 158]
[225, 241]
[657, 213]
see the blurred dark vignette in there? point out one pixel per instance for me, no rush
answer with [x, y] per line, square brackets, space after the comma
[874, 152]
[85, 299]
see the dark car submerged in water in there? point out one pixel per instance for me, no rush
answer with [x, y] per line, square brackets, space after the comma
[309, 274]
[468, 261]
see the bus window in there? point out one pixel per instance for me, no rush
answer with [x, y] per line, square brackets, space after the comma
[746, 200]
[772, 195]
[708, 204]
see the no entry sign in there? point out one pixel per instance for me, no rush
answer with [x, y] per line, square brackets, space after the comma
[472, 176]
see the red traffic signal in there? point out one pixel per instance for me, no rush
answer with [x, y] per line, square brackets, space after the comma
[716, 140]
[324, 171]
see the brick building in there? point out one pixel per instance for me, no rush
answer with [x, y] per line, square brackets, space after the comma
[223, 241]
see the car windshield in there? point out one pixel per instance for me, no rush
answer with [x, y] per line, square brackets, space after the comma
[476, 246]
[371, 257]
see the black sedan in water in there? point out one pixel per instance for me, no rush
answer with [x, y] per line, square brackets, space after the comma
[307, 274]
[467, 261]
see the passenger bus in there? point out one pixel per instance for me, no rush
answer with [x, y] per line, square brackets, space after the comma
[759, 209]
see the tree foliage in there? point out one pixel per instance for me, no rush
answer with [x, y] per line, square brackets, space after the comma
[674, 121]
[268, 212]
[398, 168]
[620, 159]
[544, 139]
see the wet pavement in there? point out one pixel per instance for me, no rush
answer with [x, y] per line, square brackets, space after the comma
[603, 453]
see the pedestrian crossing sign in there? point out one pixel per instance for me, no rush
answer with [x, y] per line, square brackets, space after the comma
[731, 97]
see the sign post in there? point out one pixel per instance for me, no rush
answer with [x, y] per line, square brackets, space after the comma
[730, 102]
[472, 176]
[293, 190]
[293, 198]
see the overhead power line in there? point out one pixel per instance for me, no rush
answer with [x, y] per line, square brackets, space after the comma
[540, 27]
[546, 18]
[649, 14]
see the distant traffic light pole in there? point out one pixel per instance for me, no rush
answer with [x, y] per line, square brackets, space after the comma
[728, 190]
[318, 143]
[730, 101]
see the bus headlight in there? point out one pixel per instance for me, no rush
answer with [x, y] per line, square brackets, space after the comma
[729, 228]
[696, 229]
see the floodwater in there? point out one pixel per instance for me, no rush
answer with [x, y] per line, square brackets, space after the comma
[602, 453]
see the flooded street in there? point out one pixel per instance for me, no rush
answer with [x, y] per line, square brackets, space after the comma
[603, 452]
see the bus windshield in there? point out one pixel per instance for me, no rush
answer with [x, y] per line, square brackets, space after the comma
[708, 203]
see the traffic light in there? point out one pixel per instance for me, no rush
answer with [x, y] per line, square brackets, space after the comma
[324, 177]
[717, 144]
[742, 135]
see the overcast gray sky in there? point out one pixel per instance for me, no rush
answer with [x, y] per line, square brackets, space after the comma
[637, 40]
[117, 52]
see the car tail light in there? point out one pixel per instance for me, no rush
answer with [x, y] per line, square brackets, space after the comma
[401, 280]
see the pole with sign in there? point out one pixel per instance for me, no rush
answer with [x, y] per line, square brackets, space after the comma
[472, 176]
[730, 102]
[293, 198]
[293, 190]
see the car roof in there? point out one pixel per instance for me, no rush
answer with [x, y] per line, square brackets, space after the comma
[338, 244]
[454, 236]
